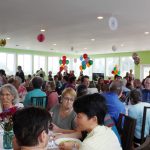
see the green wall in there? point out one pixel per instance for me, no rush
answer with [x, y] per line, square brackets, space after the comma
[144, 56]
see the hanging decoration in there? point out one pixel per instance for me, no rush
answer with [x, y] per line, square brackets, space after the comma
[63, 64]
[136, 58]
[2, 42]
[116, 71]
[41, 37]
[85, 62]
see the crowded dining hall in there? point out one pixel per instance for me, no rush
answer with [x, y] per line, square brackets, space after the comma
[74, 75]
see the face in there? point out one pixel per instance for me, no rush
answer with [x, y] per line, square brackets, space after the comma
[147, 84]
[6, 97]
[84, 123]
[86, 82]
[67, 101]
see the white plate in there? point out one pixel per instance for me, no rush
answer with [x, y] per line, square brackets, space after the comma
[60, 140]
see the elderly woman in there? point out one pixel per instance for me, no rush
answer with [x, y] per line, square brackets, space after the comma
[63, 115]
[9, 97]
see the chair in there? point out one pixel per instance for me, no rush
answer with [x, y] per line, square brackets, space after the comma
[126, 126]
[39, 101]
[143, 124]
[145, 145]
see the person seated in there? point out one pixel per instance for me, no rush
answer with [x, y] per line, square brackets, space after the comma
[63, 116]
[30, 127]
[91, 110]
[9, 97]
[36, 92]
[82, 90]
[136, 111]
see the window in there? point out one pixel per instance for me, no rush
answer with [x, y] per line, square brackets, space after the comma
[99, 65]
[110, 64]
[53, 65]
[8, 63]
[25, 61]
[126, 63]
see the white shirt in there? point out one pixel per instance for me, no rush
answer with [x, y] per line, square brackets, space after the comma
[101, 138]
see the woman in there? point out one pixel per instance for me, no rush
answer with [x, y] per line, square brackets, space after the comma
[136, 111]
[91, 110]
[9, 97]
[51, 94]
[63, 115]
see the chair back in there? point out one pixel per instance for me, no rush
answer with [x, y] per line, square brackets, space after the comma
[126, 127]
[143, 124]
[39, 101]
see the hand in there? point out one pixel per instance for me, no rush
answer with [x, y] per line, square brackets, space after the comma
[66, 145]
[55, 128]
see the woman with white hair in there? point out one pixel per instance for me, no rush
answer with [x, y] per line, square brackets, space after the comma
[9, 97]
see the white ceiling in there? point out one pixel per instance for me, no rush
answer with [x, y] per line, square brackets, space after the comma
[73, 23]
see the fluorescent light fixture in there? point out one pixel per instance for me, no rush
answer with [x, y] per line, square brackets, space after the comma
[122, 45]
[8, 38]
[54, 44]
[42, 30]
[146, 32]
[92, 39]
[100, 17]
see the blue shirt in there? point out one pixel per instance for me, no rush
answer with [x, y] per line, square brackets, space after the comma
[114, 105]
[146, 95]
[33, 93]
[136, 111]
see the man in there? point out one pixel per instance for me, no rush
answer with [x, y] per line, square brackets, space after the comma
[146, 91]
[115, 106]
[30, 126]
[20, 73]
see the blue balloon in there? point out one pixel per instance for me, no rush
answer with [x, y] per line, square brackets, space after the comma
[83, 63]
[81, 58]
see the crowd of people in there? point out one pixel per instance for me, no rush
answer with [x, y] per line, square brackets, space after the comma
[76, 107]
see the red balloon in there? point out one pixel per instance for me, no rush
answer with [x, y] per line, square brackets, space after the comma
[64, 57]
[85, 56]
[41, 37]
[112, 72]
[64, 61]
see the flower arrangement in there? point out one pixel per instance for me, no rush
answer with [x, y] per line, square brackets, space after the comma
[6, 119]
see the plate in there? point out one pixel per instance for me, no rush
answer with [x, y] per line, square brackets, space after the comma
[60, 140]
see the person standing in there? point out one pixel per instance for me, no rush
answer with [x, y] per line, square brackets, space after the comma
[20, 73]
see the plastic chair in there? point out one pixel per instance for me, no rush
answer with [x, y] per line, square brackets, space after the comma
[39, 101]
[126, 127]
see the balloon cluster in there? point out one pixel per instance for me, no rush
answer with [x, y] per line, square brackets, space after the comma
[85, 62]
[136, 58]
[2, 42]
[41, 37]
[116, 71]
[63, 63]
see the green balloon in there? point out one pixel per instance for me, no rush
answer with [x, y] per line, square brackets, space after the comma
[115, 68]
[60, 61]
[67, 62]
[83, 67]
[90, 62]
[118, 72]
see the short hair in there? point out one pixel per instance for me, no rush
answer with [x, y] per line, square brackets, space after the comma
[65, 78]
[70, 91]
[12, 90]
[83, 77]
[135, 96]
[91, 105]
[37, 82]
[81, 90]
[72, 79]
[116, 87]
[28, 123]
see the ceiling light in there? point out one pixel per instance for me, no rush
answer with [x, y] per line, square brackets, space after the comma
[85, 48]
[42, 30]
[92, 39]
[54, 44]
[146, 33]
[8, 38]
[122, 45]
[100, 17]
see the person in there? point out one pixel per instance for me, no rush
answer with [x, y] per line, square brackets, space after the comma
[63, 116]
[136, 111]
[51, 94]
[82, 90]
[20, 73]
[30, 127]
[91, 110]
[71, 82]
[99, 84]
[115, 106]
[9, 97]
[146, 91]
[85, 80]
[36, 92]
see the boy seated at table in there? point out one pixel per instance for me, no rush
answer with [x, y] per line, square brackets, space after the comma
[91, 110]
[30, 126]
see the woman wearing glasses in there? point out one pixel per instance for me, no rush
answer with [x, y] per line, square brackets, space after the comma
[63, 116]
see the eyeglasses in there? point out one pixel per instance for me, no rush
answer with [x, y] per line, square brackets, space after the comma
[68, 99]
